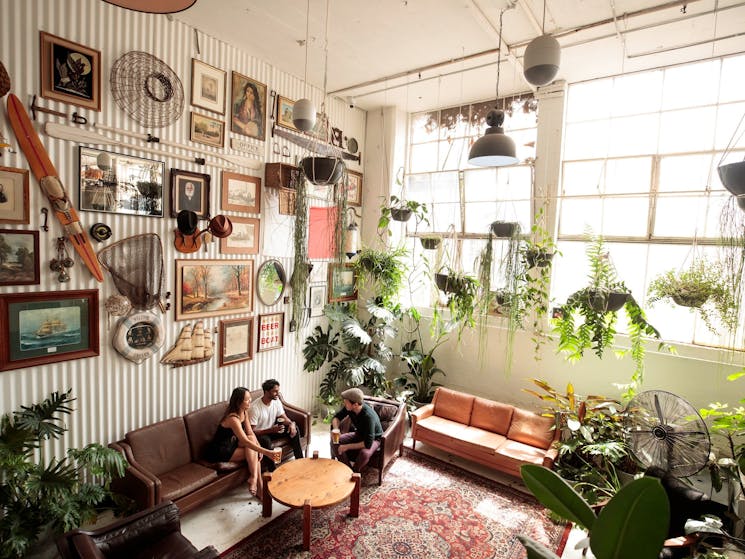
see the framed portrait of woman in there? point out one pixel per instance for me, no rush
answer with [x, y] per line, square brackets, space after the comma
[248, 107]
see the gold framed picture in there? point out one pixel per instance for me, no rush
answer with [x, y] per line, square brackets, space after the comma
[248, 107]
[207, 130]
[70, 72]
[207, 288]
[207, 86]
[284, 112]
[244, 239]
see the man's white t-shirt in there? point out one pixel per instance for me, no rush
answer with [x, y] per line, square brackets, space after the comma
[263, 416]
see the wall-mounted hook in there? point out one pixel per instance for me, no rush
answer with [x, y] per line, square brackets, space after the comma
[44, 226]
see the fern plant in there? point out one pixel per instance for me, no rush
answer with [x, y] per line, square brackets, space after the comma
[596, 306]
[355, 350]
[34, 492]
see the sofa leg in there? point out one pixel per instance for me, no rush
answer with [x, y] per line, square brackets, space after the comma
[413, 444]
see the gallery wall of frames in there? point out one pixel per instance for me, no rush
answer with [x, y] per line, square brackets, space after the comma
[106, 285]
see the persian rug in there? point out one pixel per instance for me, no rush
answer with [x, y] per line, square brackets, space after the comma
[425, 509]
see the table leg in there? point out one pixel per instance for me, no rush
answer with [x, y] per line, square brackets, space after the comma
[266, 501]
[354, 500]
[306, 525]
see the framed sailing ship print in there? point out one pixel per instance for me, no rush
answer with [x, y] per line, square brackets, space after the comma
[47, 327]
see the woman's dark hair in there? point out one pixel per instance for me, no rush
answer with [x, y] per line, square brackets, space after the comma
[236, 399]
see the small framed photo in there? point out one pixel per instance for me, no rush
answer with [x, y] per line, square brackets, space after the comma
[207, 130]
[284, 112]
[207, 288]
[245, 237]
[236, 340]
[190, 191]
[241, 193]
[248, 107]
[14, 195]
[207, 86]
[354, 188]
[47, 327]
[271, 330]
[342, 283]
[317, 300]
[70, 72]
[117, 183]
[21, 260]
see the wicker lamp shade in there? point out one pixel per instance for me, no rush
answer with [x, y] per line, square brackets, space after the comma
[147, 89]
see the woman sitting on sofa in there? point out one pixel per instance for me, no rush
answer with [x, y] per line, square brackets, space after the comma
[234, 441]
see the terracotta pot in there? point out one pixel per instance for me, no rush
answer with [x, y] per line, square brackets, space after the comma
[603, 301]
[322, 170]
[400, 214]
[505, 229]
[732, 176]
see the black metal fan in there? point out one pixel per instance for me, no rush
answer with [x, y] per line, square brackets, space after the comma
[665, 431]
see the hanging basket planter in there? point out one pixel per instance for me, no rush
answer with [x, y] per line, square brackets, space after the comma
[430, 243]
[732, 176]
[400, 214]
[448, 284]
[322, 171]
[505, 229]
[606, 301]
[538, 258]
[692, 300]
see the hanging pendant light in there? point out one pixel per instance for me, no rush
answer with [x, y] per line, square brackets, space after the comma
[494, 148]
[154, 6]
[304, 111]
[542, 57]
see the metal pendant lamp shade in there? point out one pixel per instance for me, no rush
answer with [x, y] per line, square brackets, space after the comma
[542, 58]
[304, 115]
[154, 6]
[494, 148]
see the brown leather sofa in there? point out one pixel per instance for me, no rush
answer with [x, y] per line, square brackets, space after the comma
[165, 458]
[497, 435]
[149, 534]
[392, 416]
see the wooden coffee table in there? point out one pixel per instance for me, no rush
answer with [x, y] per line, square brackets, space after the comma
[311, 483]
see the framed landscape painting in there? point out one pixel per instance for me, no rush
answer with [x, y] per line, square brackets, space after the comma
[207, 130]
[47, 327]
[20, 254]
[241, 193]
[245, 237]
[70, 72]
[14, 195]
[207, 86]
[236, 340]
[342, 283]
[207, 288]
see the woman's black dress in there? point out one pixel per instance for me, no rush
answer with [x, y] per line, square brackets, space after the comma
[222, 446]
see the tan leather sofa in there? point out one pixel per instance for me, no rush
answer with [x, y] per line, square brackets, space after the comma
[497, 435]
[166, 464]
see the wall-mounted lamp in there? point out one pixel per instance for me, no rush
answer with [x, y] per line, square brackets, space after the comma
[352, 235]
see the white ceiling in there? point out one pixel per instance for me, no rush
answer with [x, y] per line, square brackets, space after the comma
[387, 41]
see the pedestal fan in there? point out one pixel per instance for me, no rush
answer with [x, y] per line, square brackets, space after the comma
[665, 431]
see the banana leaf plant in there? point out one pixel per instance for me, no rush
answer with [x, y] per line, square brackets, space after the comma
[634, 523]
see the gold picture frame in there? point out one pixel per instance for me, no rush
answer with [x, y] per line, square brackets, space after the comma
[70, 72]
[285, 107]
[227, 285]
[207, 130]
[241, 193]
[248, 107]
[245, 236]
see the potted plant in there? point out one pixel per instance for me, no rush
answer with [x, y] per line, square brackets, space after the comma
[701, 288]
[597, 306]
[430, 242]
[505, 229]
[356, 349]
[323, 171]
[462, 301]
[35, 494]
[398, 209]
[384, 269]
[418, 380]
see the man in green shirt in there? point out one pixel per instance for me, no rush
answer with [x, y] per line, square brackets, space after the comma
[357, 446]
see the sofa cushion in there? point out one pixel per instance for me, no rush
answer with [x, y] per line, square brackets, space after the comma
[440, 426]
[492, 416]
[386, 413]
[475, 440]
[452, 405]
[513, 454]
[160, 447]
[201, 425]
[185, 479]
[531, 429]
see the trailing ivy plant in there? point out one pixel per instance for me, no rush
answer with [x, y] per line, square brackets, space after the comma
[34, 492]
[355, 349]
[596, 306]
[300, 270]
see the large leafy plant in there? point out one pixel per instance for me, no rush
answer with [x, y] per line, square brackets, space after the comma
[36, 492]
[356, 349]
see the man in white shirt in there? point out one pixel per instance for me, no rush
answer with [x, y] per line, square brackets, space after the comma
[263, 416]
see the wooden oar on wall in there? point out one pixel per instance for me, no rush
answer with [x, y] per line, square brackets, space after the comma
[87, 136]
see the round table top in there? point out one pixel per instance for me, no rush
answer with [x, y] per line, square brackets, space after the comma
[322, 481]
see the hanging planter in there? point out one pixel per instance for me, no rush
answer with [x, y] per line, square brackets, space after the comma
[732, 176]
[322, 171]
[401, 214]
[430, 243]
[606, 301]
[536, 258]
[505, 229]
[693, 301]
[447, 283]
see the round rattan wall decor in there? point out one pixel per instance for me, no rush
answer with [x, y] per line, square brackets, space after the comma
[147, 89]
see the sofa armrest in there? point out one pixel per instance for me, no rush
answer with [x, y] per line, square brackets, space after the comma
[421, 413]
[393, 437]
[302, 418]
[137, 483]
[550, 457]
[208, 552]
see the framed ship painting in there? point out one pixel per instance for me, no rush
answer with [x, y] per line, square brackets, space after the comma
[47, 327]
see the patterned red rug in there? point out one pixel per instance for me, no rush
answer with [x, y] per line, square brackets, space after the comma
[425, 509]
